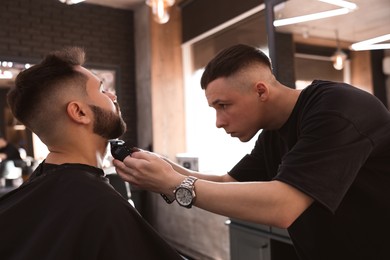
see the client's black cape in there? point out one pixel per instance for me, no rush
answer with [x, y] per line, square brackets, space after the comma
[70, 212]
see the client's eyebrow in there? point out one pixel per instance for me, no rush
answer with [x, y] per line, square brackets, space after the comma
[101, 86]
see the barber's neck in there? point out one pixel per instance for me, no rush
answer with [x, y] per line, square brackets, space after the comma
[283, 104]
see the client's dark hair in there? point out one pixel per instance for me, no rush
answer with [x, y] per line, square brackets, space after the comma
[29, 99]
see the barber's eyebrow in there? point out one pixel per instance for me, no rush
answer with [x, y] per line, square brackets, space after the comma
[215, 102]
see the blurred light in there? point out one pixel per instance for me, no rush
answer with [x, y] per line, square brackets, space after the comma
[71, 2]
[371, 44]
[160, 9]
[6, 74]
[341, 3]
[311, 17]
[339, 59]
[347, 7]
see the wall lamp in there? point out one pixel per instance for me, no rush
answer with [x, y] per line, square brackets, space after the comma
[160, 9]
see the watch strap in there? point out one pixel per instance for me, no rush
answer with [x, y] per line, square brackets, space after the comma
[167, 199]
[189, 182]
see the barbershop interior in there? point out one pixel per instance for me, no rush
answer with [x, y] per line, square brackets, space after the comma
[152, 53]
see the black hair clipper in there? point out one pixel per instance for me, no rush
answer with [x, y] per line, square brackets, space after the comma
[119, 149]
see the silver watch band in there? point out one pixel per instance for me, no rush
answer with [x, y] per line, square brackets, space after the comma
[189, 181]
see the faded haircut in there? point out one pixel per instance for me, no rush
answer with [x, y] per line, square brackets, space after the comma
[32, 99]
[231, 60]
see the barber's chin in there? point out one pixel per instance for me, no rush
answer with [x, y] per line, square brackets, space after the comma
[244, 140]
[241, 138]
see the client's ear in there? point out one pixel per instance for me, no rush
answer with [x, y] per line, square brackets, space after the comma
[78, 112]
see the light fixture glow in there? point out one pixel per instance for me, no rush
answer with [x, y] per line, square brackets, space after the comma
[347, 7]
[311, 17]
[341, 3]
[372, 47]
[71, 2]
[339, 57]
[160, 9]
[371, 44]
[6, 74]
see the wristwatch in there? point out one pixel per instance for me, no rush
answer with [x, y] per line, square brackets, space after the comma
[185, 192]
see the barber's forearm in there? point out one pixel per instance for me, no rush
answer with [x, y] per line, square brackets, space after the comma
[270, 203]
[184, 171]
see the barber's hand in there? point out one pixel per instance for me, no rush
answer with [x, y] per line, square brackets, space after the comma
[148, 171]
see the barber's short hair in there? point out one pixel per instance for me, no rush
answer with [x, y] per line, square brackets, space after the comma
[30, 99]
[231, 60]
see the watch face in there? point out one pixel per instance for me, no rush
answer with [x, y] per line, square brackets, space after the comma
[183, 196]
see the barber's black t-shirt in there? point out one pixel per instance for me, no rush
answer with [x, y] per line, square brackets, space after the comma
[335, 147]
[70, 212]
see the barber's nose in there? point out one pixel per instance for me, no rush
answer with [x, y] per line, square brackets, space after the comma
[219, 122]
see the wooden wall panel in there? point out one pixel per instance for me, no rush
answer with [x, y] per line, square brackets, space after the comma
[167, 86]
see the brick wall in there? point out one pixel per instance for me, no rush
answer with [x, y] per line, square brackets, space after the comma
[31, 28]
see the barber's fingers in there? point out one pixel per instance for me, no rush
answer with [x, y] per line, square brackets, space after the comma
[123, 171]
[146, 155]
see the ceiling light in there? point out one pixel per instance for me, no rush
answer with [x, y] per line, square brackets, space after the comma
[341, 3]
[160, 9]
[339, 57]
[347, 8]
[311, 17]
[372, 47]
[371, 44]
[71, 2]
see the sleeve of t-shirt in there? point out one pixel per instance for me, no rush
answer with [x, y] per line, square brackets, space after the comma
[326, 159]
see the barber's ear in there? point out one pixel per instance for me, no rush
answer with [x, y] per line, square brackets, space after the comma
[78, 112]
[262, 91]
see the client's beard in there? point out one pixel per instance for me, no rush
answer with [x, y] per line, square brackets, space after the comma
[108, 124]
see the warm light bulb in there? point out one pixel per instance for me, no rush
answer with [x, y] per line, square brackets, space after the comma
[160, 12]
[71, 2]
[160, 9]
[339, 59]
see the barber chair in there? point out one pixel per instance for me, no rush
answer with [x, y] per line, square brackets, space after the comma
[11, 173]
